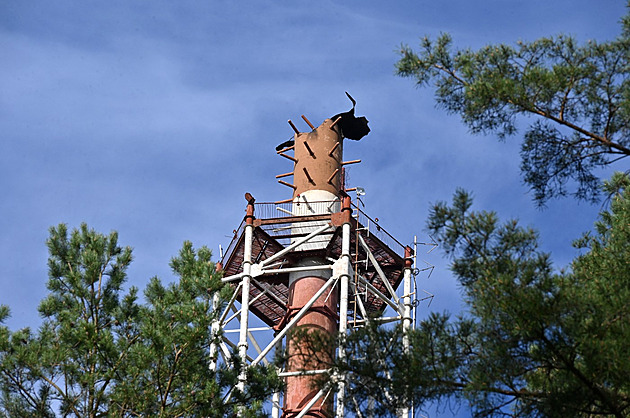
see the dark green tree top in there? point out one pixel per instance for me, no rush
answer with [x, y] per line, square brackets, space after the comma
[576, 99]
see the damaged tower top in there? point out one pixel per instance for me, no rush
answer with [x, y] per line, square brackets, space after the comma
[318, 154]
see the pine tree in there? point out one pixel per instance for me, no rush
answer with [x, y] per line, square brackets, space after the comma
[534, 342]
[575, 97]
[99, 352]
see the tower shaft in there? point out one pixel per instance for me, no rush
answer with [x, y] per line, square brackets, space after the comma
[317, 180]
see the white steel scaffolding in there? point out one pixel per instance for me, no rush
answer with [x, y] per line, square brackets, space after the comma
[363, 270]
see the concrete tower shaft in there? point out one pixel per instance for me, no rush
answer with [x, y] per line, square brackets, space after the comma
[318, 154]
[317, 180]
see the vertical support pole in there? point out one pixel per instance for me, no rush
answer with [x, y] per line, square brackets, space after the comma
[404, 412]
[343, 300]
[246, 280]
[275, 398]
[214, 347]
[415, 286]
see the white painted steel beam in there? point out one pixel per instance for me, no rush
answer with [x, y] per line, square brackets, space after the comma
[232, 278]
[232, 331]
[312, 402]
[303, 373]
[358, 301]
[227, 356]
[381, 320]
[275, 398]
[295, 319]
[380, 294]
[343, 312]
[216, 326]
[262, 271]
[295, 244]
[379, 270]
[404, 412]
[234, 347]
[242, 342]
[229, 305]
[256, 346]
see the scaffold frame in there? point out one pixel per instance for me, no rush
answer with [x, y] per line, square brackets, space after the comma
[260, 259]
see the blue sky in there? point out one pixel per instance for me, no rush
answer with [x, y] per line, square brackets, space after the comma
[153, 119]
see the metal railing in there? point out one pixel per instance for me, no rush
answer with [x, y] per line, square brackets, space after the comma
[372, 227]
[270, 210]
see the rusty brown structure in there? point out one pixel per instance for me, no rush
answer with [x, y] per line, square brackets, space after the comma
[307, 263]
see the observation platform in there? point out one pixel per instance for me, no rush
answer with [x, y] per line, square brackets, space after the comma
[377, 259]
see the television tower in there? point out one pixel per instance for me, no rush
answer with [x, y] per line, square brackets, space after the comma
[314, 262]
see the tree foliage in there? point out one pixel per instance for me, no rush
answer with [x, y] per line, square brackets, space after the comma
[577, 98]
[534, 342]
[100, 352]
